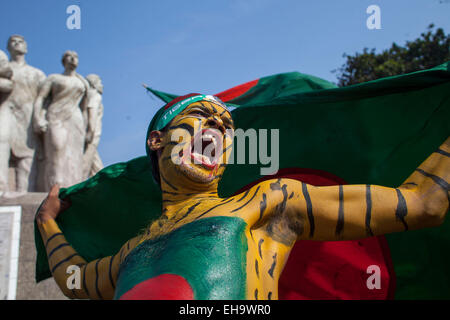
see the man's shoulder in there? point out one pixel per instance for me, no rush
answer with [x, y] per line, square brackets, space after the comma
[28, 69]
[39, 72]
[53, 76]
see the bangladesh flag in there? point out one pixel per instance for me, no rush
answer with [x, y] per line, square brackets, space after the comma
[372, 133]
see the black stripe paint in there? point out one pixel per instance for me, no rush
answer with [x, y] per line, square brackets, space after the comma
[340, 221]
[224, 151]
[444, 153]
[282, 206]
[409, 183]
[63, 260]
[185, 126]
[96, 280]
[257, 189]
[168, 183]
[262, 206]
[218, 205]
[308, 209]
[368, 210]
[84, 281]
[256, 294]
[276, 185]
[259, 247]
[214, 109]
[272, 268]
[110, 272]
[245, 194]
[269, 296]
[251, 234]
[402, 209]
[188, 212]
[52, 237]
[172, 193]
[257, 268]
[57, 248]
[121, 255]
[438, 180]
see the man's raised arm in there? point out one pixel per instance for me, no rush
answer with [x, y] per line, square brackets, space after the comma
[349, 212]
[357, 211]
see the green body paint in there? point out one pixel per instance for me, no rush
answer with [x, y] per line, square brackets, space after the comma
[209, 253]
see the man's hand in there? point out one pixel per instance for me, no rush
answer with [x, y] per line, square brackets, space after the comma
[52, 206]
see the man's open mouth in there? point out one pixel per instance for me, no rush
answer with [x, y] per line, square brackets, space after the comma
[205, 148]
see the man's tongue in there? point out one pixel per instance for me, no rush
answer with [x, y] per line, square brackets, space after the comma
[200, 155]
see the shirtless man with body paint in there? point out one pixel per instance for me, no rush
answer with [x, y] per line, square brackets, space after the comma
[207, 247]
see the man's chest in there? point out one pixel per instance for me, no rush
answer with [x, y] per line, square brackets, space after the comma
[210, 254]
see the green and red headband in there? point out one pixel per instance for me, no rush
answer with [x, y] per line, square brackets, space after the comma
[177, 105]
[169, 111]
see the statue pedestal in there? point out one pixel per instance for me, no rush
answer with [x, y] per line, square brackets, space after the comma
[11, 179]
[27, 289]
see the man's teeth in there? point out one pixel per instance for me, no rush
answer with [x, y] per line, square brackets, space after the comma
[203, 158]
[210, 137]
[207, 159]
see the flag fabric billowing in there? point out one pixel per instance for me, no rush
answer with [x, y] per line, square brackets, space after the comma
[372, 133]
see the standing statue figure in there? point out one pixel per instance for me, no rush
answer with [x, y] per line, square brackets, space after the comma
[92, 162]
[62, 123]
[6, 86]
[22, 141]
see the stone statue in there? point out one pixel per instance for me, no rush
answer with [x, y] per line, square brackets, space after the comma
[22, 140]
[62, 123]
[92, 162]
[6, 86]
[207, 247]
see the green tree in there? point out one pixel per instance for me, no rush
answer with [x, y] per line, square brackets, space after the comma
[429, 50]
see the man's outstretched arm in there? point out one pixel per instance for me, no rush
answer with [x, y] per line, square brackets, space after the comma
[349, 212]
[358, 211]
[97, 278]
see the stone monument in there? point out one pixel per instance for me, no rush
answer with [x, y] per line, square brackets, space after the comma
[49, 133]
[92, 162]
[22, 141]
[6, 86]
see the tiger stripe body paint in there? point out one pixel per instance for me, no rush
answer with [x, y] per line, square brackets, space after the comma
[237, 247]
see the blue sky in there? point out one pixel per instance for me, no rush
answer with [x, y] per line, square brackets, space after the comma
[201, 46]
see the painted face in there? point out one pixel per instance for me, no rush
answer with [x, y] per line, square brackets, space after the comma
[197, 144]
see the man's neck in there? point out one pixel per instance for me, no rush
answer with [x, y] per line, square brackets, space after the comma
[18, 59]
[172, 201]
[69, 72]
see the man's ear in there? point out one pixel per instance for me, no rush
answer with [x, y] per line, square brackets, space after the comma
[154, 141]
